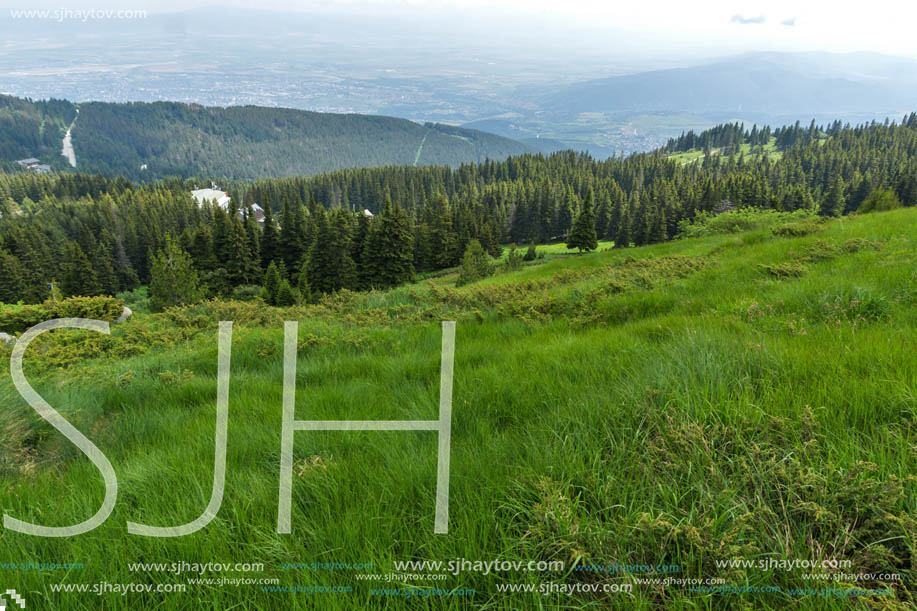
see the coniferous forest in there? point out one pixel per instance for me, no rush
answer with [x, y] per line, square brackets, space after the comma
[377, 228]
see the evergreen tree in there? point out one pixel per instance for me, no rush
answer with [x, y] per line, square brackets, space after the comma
[286, 295]
[833, 204]
[582, 236]
[623, 237]
[389, 253]
[330, 266]
[475, 264]
[305, 290]
[269, 239]
[173, 281]
[513, 259]
[880, 200]
[79, 276]
[272, 280]
[11, 285]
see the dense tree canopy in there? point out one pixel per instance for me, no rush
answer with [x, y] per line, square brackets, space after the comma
[378, 227]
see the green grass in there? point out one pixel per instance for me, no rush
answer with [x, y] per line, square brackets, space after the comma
[770, 149]
[732, 396]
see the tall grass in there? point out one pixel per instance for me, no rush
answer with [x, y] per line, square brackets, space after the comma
[672, 404]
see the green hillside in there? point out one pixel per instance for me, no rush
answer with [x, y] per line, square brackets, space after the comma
[739, 396]
[142, 141]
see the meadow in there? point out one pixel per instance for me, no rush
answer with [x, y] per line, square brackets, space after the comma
[743, 396]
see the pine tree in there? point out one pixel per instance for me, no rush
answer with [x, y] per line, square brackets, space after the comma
[513, 259]
[272, 280]
[330, 266]
[173, 281]
[389, 254]
[833, 204]
[293, 235]
[582, 236]
[269, 238]
[286, 295]
[475, 264]
[531, 254]
[11, 285]
[79, 276]
[305, 290]
[623, 237]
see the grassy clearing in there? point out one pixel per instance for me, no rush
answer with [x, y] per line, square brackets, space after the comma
[731, 396]
[769, 149]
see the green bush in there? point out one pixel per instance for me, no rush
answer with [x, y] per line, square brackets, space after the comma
[513, 259]
[880, 200]
[738, 221]
[246, 292]
[17, 319]
[796, 229]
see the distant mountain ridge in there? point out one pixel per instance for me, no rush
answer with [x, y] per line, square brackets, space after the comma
[773, 84]
[147, 141]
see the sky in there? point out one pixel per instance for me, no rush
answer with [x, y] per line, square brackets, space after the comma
[724, 25]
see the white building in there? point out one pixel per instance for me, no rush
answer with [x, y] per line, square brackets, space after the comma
[220, 198]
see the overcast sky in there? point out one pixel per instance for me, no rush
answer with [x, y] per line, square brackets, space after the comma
[836, 25]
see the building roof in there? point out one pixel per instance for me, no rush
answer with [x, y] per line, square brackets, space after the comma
[29, 161]
[211, 195]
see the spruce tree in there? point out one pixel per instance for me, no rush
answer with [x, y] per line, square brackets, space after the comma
[623, 237]
[268, 238]
[475, 264]
[582, 236]
[330, 266]
[513, 259]
[305, 291]
[173, 279]
[11, 284]
[79, 276]
[272, 282]
[286, 295]
[833, 204]
[389, 254]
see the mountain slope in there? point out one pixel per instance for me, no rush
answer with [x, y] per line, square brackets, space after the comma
[145, 141]
[676, 404]
[771, 83]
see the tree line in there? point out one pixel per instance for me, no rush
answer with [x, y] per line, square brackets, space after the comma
[379, 227]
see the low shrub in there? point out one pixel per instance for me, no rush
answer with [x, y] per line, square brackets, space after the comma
[18, 319]
[738, 221]
[796, 229]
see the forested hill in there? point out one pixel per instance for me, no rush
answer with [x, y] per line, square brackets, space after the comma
[97, 235]
[148, 141]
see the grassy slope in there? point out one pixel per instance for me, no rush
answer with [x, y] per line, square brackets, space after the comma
[669, 404]
[770, 148]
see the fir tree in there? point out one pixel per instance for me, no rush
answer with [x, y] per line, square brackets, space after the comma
[513, 259]
[833, 204]
[475, 264]
[11, 284]
[582, 236]
[305, 290]
[623, 237]
[389, 254]
[286, 295]
[269, 239]
[173, 281]
[79, 276]
[272, 280]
